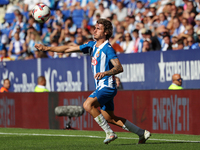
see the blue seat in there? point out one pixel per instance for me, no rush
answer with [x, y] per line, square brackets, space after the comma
[4, 2]
[78, 21]
[78, 13]
[66, 13]
[90, 21]
[9, 17]
[6, 31]
[53, 12]
[26, 14]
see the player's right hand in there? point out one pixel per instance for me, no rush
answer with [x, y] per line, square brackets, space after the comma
[40, 47]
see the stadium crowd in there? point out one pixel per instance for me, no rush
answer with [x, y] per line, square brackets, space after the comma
[139, 26]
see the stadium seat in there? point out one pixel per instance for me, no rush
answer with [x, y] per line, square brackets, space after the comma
[90, 21]
[66, 13]
[26, 14]
[4, 2]
[6, 31]
[53, 12]
[9, 17]
[78, 13]
[78, 21]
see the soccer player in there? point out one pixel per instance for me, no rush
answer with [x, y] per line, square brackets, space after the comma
[105, 66]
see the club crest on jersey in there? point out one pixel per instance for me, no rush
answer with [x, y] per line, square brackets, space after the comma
[94, 61]
[97, 54]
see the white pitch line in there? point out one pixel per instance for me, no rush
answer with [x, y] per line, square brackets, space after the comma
[91, 136]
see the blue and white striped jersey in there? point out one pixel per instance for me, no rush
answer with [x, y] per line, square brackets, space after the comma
[100, 61]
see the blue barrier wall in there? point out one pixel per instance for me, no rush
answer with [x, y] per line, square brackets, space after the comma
[152, 70]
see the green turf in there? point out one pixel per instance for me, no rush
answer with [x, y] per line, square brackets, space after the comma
[35, 139]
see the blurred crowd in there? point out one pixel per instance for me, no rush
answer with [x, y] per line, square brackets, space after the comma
[139, 26]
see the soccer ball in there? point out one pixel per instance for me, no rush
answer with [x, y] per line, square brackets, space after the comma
[41, 13]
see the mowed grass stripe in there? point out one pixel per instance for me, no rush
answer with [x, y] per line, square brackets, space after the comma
[91, 136]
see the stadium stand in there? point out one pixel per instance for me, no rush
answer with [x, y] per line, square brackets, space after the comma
[145, 16]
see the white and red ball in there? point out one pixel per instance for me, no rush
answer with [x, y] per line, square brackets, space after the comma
[41, 13]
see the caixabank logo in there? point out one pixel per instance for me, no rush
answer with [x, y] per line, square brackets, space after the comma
[188, 69]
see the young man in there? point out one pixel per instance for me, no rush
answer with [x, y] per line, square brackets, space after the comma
[6, 86]
[105, 65]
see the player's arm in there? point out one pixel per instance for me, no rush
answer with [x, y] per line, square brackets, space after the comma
[115, 70]
[59, 49]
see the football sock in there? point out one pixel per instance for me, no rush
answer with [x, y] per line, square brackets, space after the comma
[103, 123]
[133, 128]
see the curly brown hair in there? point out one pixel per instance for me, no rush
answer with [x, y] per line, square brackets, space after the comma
[108, 28]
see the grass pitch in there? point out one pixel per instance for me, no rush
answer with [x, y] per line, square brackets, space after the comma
[36, 139]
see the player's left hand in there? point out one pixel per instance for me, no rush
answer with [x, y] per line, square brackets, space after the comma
[99, 75]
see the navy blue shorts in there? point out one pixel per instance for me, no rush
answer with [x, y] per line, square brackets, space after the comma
[105, 97]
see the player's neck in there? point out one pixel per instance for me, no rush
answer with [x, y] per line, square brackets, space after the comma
[100, 41]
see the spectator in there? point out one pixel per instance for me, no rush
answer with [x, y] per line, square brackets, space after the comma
[189, 31]
[118, 83]
[198, 36]
[29, 56]
[105, 13]
[191, 43]
[174, 40]
[136, 40]
[4, 56]
[131, 6]
[56, 34]
[65, 36]
[120, 11]
[197, 21]
[146, 46]
[17, 47]
[20, 23]
[3, 41]
[113, 5]
[4, 24]
[50, 54]
[176, 82]
[34, 24]
[132, 24]
[59, 17]
[167, 44]
[118, 49]
[21, 32]
[127, 43]
[41, 83]
[140, 7]
[162, 20]
[6, 86]
[31, 39]
[69, 24]
[177, 28]
[46, 36]
[142, 39]
[180, 45]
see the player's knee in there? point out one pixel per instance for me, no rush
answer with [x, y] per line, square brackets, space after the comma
[87, 106]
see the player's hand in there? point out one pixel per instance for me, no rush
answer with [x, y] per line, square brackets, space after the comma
[99, 75]
[40, 47]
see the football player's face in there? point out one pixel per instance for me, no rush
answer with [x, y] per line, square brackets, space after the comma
[99, 32]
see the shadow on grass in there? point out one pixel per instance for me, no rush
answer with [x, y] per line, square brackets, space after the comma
[154, 143]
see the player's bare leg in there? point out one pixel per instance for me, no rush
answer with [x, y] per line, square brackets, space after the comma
[126, 125]
[91, 105]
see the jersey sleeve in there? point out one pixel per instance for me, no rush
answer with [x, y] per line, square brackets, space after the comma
[87, 48]
[111, 54]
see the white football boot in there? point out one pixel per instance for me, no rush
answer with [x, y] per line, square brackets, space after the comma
[110, 136]
[143, 138]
